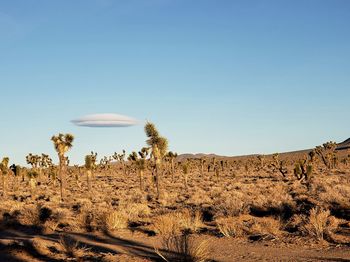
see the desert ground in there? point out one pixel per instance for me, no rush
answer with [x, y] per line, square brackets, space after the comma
[281, 207]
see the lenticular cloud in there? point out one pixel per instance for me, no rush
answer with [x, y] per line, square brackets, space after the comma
[105, 120]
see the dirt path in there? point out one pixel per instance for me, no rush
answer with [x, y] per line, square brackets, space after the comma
[127, 246]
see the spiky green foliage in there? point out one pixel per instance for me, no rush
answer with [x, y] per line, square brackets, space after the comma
[33, 160]
[303, 169]
[158, 143]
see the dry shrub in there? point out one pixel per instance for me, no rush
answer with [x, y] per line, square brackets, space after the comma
[29, 216]
[136, 210]
[183, 248]
[319, 223]
[189, 220]
[71, 247]
[167, 224]
[249, 225]
[116, 220]
[229, 227]
[232, 204]
[176, 222]
[267, 226]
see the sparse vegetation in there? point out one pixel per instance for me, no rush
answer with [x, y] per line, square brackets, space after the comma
[179, 202]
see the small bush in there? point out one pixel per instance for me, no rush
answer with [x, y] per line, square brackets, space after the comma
[319, 223]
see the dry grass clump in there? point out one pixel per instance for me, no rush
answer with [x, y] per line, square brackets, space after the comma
[191, 221]
[183, 248]
[267, 226]
[135, 211]
[177, 222]
[71, 247]
[116, 220]
[167, 224]
[248, 225]
[230, 227]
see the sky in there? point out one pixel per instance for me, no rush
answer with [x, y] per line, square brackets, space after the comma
[215, 76]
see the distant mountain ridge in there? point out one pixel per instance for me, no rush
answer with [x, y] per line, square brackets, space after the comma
[340, 146]
[344, 145]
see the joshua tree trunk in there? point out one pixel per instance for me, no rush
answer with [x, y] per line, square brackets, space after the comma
[88, 176]
[62, 174]
[32, 186]
[3, 185]
[141, 179]
[217, 173]
[157, 170]
[186, 180]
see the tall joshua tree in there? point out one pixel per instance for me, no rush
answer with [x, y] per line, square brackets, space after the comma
[62, 143]
[159, 147]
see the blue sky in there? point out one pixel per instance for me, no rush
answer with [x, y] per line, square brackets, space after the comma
[225, 77]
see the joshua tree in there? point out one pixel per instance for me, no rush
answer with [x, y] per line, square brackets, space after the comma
[217, 172]
[172, 156]
[279, 165]
[327, 154]
[121, 159]
[202, 163]
[262, 163]
[32, 175]
[303, 169]
[33, 160]
[105, 163]
[140, 163]
[62, 144]
[17, 172]
[89, 166]
[159, 147]
[4, 173]
[45, 162]
[185, 170]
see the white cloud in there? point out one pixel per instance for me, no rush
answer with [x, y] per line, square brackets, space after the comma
[105, 120]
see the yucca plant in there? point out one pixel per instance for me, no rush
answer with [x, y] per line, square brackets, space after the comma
[159, 147]
[62, 143]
